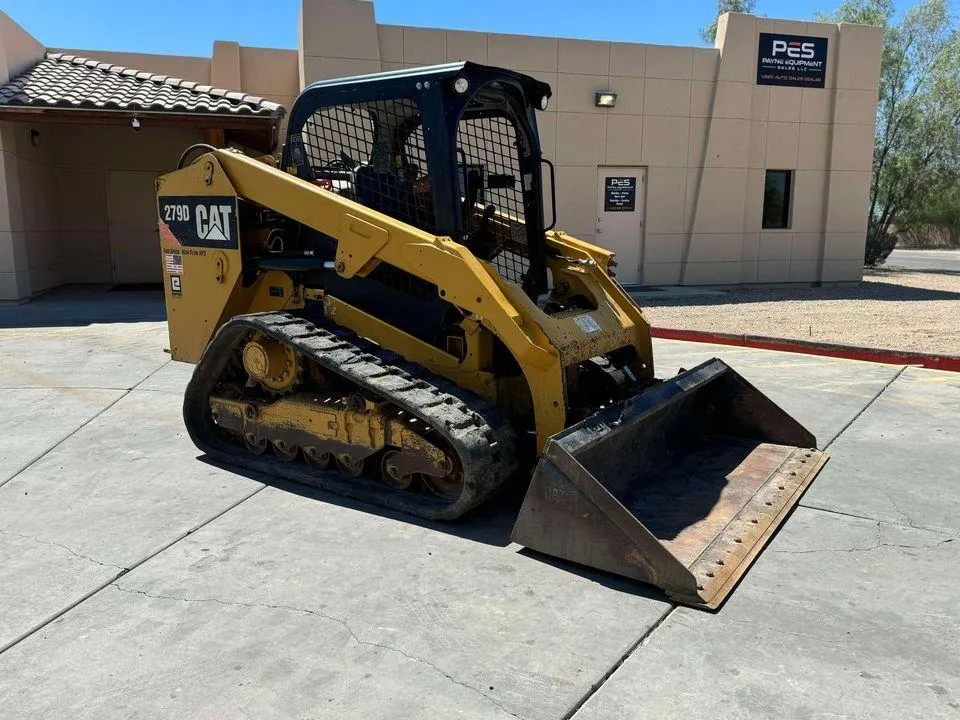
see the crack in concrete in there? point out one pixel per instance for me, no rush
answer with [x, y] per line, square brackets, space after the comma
[896, 508]
[888, 521]
[332, 618]
[86, 596]
[780, 631]
[877, 545]
[864, 549]
[70, 550]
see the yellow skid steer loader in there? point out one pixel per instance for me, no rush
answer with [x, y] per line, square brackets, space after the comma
[388, 315]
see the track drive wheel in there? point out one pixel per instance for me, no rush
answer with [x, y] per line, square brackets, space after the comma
[273, 364]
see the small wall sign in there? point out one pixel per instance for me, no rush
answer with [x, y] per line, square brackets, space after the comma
[792, 60]
[620, 194]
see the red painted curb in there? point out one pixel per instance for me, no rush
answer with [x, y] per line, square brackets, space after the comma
[847, 352]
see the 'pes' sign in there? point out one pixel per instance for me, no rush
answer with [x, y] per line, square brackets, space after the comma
[792, 60]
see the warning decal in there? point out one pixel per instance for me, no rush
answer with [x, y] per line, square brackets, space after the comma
[173, 263]
[587, 324]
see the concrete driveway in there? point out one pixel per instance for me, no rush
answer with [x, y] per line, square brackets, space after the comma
[942, 260]
[137, 580]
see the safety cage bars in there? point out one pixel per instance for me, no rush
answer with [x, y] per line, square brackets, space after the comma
[374, 153]
[492, 187]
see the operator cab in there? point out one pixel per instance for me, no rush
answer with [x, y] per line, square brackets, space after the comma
[450, 149]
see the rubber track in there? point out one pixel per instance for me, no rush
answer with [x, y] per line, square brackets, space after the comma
[475, 430]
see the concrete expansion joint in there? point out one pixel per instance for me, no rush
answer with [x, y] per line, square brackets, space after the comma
[602, 680]
[70, 550]
[126, 391]
[866, 407]
[332, 618]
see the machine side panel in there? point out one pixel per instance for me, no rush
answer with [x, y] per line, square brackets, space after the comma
[202, 260]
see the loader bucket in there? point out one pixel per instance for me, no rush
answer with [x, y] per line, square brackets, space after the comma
[681, 486]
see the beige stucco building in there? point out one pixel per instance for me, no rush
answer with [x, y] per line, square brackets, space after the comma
[737, 181]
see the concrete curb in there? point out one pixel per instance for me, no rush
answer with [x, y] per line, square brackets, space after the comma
[848, 352]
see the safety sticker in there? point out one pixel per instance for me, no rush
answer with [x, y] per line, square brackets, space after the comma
[176, 285]
[173, 262]
[587, 324]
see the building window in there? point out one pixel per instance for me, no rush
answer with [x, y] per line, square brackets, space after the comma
[776, 199]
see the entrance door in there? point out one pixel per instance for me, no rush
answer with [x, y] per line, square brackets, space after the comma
[134, 242]
[620, 197]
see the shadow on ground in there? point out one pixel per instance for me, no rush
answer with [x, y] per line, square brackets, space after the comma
[78, 305]
[489, 524]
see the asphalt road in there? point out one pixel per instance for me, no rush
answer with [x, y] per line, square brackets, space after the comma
[948, 260]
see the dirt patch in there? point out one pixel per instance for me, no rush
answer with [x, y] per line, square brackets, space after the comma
[895, 309]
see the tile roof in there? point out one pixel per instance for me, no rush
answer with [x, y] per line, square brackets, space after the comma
[68, 81]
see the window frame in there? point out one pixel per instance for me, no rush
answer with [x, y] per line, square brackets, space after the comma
[787, 215]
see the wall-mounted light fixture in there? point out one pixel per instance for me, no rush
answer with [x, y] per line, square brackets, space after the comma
[35, 138]
[605, 98]
[135, 123]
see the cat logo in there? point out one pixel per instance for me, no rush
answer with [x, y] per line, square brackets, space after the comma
[213, 222]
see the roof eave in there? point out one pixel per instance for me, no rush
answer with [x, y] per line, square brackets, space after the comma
[112, 116]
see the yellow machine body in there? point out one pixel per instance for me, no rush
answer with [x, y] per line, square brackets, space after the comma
[211, 290]
[372, 358]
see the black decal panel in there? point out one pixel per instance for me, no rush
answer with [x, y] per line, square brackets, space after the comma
[209, 221]
[792, 60]
[620, 194]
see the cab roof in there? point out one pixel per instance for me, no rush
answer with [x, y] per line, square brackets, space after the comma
[463, 68]
[404, 83]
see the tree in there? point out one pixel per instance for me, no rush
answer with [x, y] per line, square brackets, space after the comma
[709, 33]
[934, 223]
[917, 144]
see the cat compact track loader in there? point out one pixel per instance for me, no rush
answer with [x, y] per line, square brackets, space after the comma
[389, 316]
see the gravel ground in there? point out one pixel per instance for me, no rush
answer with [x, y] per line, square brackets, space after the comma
[894, 309]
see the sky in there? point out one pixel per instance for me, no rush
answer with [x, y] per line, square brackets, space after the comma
[181, 27]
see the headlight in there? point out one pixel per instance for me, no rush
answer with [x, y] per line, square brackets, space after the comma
[544, 101]
[461, 85]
